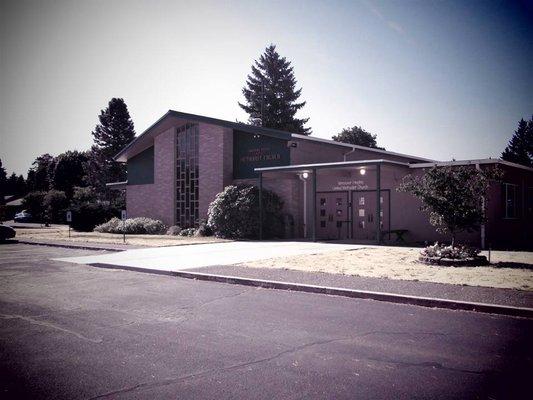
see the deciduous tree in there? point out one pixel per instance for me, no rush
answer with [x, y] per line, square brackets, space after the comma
[358, 136]
[69, 171]
[452, 196]
[40, 175]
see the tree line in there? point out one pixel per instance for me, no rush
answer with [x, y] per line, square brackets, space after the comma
[75, 179]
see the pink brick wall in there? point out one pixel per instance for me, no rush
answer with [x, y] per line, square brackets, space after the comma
[157, 200]
[309, 152]
[216, 168]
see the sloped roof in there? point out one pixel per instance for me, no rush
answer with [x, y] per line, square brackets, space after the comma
[139, 143]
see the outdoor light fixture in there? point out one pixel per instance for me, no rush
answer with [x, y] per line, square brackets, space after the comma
[305, 175]
[362, 171]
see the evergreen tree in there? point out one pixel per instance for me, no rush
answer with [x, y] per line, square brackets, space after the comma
[115, 129]
[40, 175]
[111, 135]
[3, 179]
[15, 185]
[271, 95]
[358, 136]
[520, 147]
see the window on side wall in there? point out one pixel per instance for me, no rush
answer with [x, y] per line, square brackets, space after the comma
[529, 202]
[510, 193]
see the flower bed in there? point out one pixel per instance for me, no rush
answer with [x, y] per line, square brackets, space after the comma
[439, 254]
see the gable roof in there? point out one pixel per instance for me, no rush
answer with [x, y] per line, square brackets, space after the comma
[124, 154]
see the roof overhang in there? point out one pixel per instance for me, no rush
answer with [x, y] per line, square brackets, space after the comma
[470, 162]
[338, 165]
[117, 185]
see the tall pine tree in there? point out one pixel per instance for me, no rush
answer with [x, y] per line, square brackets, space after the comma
[271, 95]
[115, 130]
[111, 135]
[520, 147]
[3, 181]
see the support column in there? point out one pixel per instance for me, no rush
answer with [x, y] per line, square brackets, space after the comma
[378, 202]
[313, 215]
[260, 206]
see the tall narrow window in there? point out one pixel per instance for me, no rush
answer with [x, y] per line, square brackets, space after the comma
[510, 192]
[187, 176]
[530, 201]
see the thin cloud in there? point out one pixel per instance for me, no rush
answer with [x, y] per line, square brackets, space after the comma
[392, 25]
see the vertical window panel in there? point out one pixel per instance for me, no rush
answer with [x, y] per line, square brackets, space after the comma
[187, 176]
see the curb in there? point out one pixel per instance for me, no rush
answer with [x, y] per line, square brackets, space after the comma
[523, 312]
[68, 246]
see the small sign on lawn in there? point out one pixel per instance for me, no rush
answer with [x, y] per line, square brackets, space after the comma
[69, 216]
[123, 215]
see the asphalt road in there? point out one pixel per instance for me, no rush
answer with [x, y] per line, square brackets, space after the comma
[70, 331]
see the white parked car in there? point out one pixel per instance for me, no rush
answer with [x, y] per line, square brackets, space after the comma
[23, 216]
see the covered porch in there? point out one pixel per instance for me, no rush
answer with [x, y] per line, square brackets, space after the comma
[347, 201]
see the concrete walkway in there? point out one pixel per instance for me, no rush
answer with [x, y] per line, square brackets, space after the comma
[177, 258]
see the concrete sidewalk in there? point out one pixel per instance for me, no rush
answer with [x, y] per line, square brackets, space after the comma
[178, 258]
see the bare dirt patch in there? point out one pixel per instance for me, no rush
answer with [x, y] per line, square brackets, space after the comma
[60, 233]
[512, 270]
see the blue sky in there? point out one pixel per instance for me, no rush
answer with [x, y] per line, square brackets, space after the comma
[439, 79]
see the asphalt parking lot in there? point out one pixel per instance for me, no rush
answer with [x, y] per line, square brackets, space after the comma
[71, 331]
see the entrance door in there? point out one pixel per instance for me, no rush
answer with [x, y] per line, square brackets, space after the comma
[332, 215]
[365, 217]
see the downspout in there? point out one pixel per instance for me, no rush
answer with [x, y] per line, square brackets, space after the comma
[305, 203]
[350, 152]
[482, 230]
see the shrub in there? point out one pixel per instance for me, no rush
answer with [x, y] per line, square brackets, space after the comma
[235, 213]
[86, 216]
[450, 252]
[144, 225]
[203, 229]
[187, 232]
[141, 226]
[174, 230]
[114, 225]
[84, 195]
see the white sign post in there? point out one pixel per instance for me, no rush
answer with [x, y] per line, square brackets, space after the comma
[69, 220]
[123, 216]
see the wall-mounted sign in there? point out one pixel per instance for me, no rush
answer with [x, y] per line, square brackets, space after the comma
[256, 151]
[351, 185]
